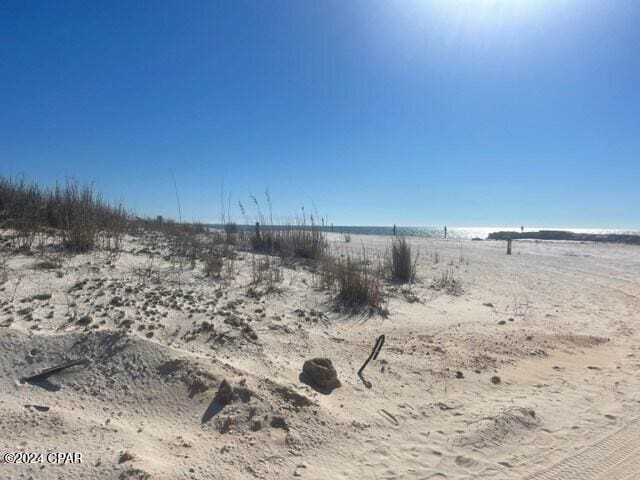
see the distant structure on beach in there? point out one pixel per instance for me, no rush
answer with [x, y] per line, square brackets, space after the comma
[566, 235]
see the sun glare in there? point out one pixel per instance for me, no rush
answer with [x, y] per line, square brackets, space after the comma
[416, 24]
[489, 10]
[488, 14]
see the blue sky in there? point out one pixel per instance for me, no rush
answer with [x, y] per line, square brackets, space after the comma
[416, 112]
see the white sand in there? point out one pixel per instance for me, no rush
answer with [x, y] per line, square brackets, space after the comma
[557, 322]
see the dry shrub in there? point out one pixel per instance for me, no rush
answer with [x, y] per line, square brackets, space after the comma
[355, 280]
[231, 233]
[4, 267]
[189, 243]
[77, 212]
[401, 267]
[170, 227]
[290, 241]
[49, 263]
[302, 238]
[213, 263]
[266, 270]
[448, 282]
[149, 272]
[219, 262]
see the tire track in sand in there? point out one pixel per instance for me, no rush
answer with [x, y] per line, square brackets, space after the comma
[616, 457]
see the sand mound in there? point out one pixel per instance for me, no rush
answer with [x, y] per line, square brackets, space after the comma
[131, 385]
[496, 429]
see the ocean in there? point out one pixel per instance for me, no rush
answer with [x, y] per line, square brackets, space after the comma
[467, 232]
[452, 232]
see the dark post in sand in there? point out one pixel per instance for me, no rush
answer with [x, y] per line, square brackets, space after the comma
[509, 246]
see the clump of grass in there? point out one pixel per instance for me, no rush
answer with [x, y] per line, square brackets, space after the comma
[448, 282]
[79, 221]
[266, 270]
[4, 267]
[302, 239]
[149, 272]
[402, 267]
[82, 218]
[49, 263]
[356, 282]
[213, 263]
[219, 262]
[189, 243]
[231, 233]
[297, 241]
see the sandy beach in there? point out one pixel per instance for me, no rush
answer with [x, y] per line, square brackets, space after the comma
[320, 240]
[528, 368]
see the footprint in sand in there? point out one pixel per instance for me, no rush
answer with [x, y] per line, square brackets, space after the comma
[463, 461]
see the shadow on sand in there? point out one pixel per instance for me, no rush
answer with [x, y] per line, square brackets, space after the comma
[43, 382]
[307, 381]
[214, 408]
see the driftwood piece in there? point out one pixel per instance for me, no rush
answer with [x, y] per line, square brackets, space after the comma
[372, 356]
[387, 416]
[51, 370]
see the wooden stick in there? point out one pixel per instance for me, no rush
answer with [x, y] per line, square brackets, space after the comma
[50, 371]
[372, 356]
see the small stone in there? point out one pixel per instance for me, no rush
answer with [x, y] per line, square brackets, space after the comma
[496, 380]
[459, 374]
[125, 457]
[228, 422]
[320, 372]
[256, 426]
[116, 301]
[42, 296]
[279, 422]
